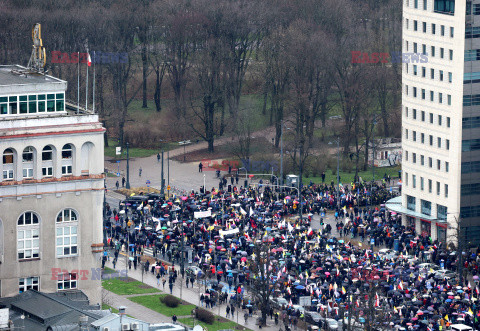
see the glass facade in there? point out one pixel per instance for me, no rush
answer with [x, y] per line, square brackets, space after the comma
[32, 104]
[410, 202]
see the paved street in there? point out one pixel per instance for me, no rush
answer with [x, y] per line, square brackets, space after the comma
[179, 290]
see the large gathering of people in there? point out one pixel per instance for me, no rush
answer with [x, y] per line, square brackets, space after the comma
[351, 258]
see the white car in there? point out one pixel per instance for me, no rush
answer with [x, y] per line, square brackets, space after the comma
[299, 308]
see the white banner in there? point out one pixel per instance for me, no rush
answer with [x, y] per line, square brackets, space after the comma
[202, 214]
[224, 233]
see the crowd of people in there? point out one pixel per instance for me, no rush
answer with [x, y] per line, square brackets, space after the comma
[345, 275]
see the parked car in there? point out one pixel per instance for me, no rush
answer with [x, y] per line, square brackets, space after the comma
[194, 270]
[442, 274]
[313, 317]
[279, 302]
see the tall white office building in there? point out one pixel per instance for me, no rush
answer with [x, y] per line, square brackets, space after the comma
[441, 120]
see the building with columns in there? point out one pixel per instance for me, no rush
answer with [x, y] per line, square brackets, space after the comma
[51, 188]
[440, 120]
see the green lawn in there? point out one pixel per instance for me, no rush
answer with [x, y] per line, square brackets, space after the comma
[121, 287]
[153, 302]
[135, 152]
[347, 177]
[213, 327]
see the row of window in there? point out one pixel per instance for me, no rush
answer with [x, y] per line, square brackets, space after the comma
[432, 28]
[470, 167]
[430, 161]
[470, 145]
[476, 8]
[471, 100]
[439, 6]
[432, 48]
[28, 162]
[65, 281]
[28, 235]
[421, 137]
[423, 95]
[470, 189]
[428, 183]
[471, 122]
[440, 75]
[32, 103]
[426, 207]
[421, 115]
[470, 211]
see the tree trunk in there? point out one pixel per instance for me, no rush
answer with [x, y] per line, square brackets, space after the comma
[144, 74]
[158, 87]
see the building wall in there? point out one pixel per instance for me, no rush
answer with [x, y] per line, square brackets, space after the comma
[82, 191]
[455, 66]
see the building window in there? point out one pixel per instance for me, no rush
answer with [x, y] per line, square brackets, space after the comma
[438, 188]
[27, 161]
[433, 51]
[67, 281]
[442, 30]
[451, 32]
[406, 133]
[414, 92]
[406, 178]
[47, 161]
[470, 167]
[28, 236]
[424, 72]
[426, 207]
[450, 54]
[423, 116]
[439, 164]
[429, 186]
[431, 95]
[414, 70]
[431, 118]
[430, 162]
[472, 55]
[440, 120]
[431, 140]
[448, 144]
[447, 166]
[414, 135]
[414, 156]
[470, 145]
[444, 7]
[410, 203]
[422, 160]
[29, 283]
[67, 159]
[421, 183]
[442, 52]
[432, 73]
[415, 25]
[414, 181]
[67, 226]
[415, 4]
[446, 190]
[470, 189]
[441, 213]
[422, 138]
[439, 142]
[448, 122]
[433, 25]
[423, 94]
[424, 27]
[8, 165]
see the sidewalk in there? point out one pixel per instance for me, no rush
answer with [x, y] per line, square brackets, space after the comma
[179, 290]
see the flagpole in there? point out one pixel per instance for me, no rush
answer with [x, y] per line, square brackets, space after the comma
[86, 88]
[93, 82]
[78, 83]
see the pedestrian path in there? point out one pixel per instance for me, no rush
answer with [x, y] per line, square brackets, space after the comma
[191, 295]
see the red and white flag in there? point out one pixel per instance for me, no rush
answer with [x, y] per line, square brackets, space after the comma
[377, 300]
[89, 60]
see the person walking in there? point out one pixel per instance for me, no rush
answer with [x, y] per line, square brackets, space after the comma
[123, 181]
[140, 172]
[117, 184]
[158, 157]
[158, 279]
[228, 311]
[174, 319]
[200, 167]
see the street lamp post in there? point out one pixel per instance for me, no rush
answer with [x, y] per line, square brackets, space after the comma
[162, 189]
[128, 170]
[281, 156]
[373, 149]
[338, 172]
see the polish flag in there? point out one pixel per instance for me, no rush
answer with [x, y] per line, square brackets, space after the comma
[377, 300]
[89, 60]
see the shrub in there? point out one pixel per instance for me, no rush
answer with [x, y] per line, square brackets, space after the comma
[204, 316]
[170, 301]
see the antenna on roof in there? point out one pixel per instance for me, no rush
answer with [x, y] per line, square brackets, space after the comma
[37, 59]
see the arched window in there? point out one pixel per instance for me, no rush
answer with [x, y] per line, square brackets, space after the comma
[8, 165]
[66, 233]
[28, 236]
[67, 159]
[27, 160]
[47, 161]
